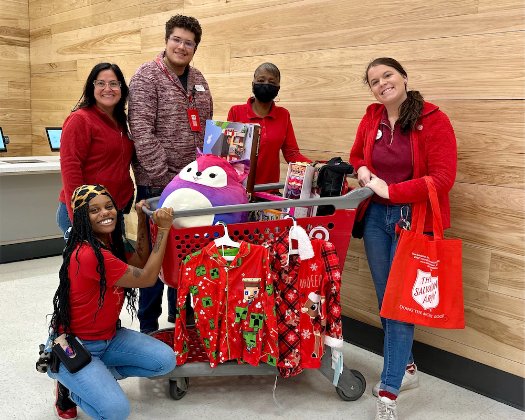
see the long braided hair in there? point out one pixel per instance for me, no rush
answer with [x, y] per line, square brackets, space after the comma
[82, 233]
[410, 109]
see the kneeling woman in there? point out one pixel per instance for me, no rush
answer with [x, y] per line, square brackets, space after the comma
[95, 277]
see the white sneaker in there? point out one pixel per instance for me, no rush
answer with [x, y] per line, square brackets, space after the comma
[386, 409]
[410, 381]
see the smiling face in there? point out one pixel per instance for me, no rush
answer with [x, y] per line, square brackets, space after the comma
[178, 53]
[387, 85]
[102, 216]
[106, 97]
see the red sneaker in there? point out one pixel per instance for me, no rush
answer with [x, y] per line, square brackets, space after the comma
[64, 408]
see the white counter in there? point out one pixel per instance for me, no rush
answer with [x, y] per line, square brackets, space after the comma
[29, 188]
[29, 165]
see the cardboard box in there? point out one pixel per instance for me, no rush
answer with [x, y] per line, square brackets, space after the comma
[298, 185]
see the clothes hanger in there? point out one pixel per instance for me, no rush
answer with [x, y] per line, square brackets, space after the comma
[292, 235]
[225, 240]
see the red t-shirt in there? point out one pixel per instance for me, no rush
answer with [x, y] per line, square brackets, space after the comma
[85, 290]
[276, 134]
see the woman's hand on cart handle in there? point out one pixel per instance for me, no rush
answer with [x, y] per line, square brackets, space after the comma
[139, 208]
[363, 176]
[163, 217]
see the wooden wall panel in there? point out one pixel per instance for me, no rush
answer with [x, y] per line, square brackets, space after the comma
[15, 80]
[465, 56]
[399, 30]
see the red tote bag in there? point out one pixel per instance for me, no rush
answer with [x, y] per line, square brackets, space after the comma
[425, 285]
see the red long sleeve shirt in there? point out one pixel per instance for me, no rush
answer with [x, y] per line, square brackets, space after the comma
[94, 150]
[276, 134]
[434, 153]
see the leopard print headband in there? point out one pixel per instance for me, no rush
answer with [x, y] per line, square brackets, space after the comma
[83, 194]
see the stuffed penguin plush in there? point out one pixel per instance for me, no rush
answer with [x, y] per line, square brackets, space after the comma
[208, 181]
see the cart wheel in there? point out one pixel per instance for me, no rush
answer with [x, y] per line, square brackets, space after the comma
[177, 393]
[356, 391]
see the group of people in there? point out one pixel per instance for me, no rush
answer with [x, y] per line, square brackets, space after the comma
[400, 139]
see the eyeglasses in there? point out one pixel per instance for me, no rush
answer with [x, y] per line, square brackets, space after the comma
[186, 42]
[113, 84]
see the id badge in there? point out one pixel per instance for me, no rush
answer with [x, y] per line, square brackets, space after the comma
[194, 120]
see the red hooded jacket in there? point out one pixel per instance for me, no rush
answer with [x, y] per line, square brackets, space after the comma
[434, 153]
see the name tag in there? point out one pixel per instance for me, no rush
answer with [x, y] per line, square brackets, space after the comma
[194, 120]
[199, 88]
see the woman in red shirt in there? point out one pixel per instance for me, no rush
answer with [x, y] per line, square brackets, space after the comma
[400, 140]
[95, 278]
[276, 126]
[94, 145]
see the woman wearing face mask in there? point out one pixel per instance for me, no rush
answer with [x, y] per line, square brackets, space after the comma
[276, 126]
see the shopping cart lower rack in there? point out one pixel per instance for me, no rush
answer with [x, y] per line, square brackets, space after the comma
[336, 228]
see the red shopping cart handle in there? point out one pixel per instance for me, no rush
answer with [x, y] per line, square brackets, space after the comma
[348, 201]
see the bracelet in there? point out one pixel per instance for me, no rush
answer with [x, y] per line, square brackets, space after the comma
[169, 213]
[168, 228]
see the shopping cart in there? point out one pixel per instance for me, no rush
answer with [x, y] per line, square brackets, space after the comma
[336, 228]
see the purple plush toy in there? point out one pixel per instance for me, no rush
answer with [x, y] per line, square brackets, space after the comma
[209, 181]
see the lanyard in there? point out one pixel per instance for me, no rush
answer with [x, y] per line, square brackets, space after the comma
[192, 111]
[164, 69]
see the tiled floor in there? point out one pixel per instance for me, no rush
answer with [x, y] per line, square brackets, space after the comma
[27, 291]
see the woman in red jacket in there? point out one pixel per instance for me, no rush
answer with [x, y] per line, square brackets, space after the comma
[276, 126]
[94, 146]
[400, 140]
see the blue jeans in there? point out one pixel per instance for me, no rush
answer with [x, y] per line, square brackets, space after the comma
[130, 353]
[63, 220]
[150, 298]
[380, 244]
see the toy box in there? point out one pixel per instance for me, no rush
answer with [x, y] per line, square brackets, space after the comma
[233, 141]
[298, 185]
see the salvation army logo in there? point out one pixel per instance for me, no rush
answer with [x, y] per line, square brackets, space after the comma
[426, 290]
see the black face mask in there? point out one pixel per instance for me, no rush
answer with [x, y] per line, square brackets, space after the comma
[265, 92]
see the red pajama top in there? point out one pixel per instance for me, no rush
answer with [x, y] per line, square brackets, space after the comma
[88, 322]
[233, 303]
[306, 325]
[276, 134]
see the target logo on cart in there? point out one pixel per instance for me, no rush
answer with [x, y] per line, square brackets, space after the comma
[320, 232]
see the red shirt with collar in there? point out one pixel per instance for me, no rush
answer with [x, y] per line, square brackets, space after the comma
[94, 150]
[276, 134]
[434, 153]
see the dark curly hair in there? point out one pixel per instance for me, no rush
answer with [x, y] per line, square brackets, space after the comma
[88, 96]
[410, 109]
[185, 22]
[82, 233]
